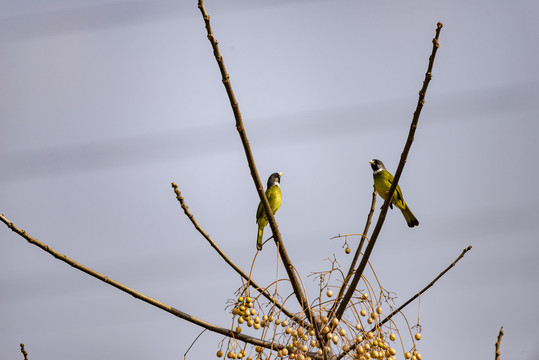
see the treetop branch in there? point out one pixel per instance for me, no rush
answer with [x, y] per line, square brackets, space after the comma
[389, 196]
[296, 286]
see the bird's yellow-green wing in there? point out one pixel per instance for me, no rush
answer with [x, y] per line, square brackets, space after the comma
[273, 194]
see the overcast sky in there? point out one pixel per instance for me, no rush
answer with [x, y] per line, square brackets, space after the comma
[104, 103]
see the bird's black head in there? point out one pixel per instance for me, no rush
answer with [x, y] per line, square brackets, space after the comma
[274, 179]
[377, 165]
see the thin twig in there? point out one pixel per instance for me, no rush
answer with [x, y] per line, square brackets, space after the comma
[247, 277]
[193, 343]
[24, 352]
[385, 206]
[497, 345]
[136, 294]
[399, 309]
[300, 295]
[356, 257]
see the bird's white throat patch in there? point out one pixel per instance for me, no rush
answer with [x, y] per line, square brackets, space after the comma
[378, 171]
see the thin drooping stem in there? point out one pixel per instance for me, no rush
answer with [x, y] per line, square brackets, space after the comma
[381, 218]
[399, 309]
[296, 286]
[356, 257]
[497, 345]
[242, 273]
[138, 295]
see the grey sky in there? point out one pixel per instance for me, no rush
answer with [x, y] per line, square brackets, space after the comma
[104, 103]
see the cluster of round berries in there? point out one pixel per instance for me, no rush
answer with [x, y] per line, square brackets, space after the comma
[302, 343]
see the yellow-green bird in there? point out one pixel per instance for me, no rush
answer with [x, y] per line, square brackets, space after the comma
[382, 182]
[273, 193]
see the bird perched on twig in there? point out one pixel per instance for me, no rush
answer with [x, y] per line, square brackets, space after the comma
[382, 183]
[273, 193]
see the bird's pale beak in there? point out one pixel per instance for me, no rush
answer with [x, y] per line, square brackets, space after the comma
[371, 161]
[280, 174]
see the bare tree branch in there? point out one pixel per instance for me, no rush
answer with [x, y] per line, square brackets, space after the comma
[497, 345]
[356, 257]
[399, 309]
[296, 286]
[389, 196]
[24, 353]
[259, 288]
[140, 296]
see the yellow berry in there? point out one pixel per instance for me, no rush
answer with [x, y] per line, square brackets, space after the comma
[256, 326]
[342, 332]
[240, 299]
[370, 335]
[379, 310]
[325, 329]
[407, 355]
[346, 348]
[358, 326]
[240, 320]
[347, 250]
[253, 311]
[392, 351]
[374, 316]
[335, 321]
[417, 336]
[219, 353]
[284, 323]
[335, 339]
[370, 321]
[392, 337]
[365, 296]
[329, 293]
[238, 329]
[324, 319]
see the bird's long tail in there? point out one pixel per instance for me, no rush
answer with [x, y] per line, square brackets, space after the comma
[409, 216]
[259, 238]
